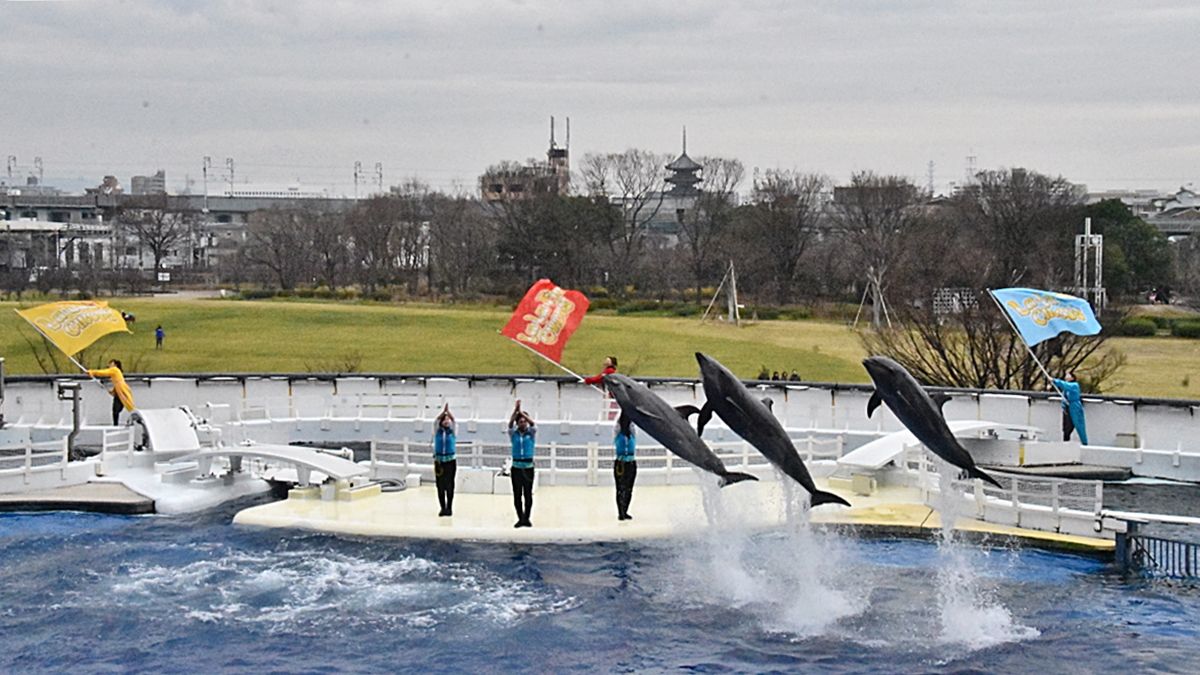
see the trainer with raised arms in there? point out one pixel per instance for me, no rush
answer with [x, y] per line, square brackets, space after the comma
[523, 434]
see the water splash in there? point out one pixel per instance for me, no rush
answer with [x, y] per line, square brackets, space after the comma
[969, 615]
[792, 581]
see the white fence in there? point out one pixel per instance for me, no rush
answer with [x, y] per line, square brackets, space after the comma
[588, 463]
[1061, 505]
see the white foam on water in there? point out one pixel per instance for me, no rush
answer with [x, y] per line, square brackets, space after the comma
[969, 616]
[285, 588]
[792, 581]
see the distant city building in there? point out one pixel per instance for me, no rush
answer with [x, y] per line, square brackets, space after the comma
[509, 181]
[255, 191]
[32, 186]
[1179, 214]
[108, 186]
[149, 185]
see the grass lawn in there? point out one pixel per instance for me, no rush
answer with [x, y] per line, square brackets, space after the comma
[270, 336]
[249, 336]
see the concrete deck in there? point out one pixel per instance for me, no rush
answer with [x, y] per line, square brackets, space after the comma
[92, 497]
[570, 514]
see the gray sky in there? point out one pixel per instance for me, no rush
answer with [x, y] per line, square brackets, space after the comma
[1102, 92]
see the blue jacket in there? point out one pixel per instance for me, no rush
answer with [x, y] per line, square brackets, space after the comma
[522, 446]
[444, 444]
[1072, 402]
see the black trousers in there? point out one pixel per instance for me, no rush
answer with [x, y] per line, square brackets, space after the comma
[624, 474]
[443, 474]
[117, 407]
[522, 485]
[1068, 425]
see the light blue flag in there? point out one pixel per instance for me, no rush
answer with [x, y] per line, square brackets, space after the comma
[1041, 315]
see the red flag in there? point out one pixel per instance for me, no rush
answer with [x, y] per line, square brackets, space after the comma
[546, 318]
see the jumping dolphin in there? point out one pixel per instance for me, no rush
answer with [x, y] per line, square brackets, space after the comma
[752, 419]
[916, 410]
[667, 425]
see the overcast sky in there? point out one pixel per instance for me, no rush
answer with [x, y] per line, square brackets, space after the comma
[1102, 92]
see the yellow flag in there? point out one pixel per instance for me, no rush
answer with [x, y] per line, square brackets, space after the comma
[72, 326]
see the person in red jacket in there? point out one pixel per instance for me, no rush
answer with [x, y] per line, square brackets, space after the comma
[610, 367]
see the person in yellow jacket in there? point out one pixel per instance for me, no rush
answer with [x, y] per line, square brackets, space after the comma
[122, 397]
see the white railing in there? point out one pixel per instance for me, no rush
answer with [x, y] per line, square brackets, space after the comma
[33, 458]
[585, 460]
[118, 444]
[1041, 503]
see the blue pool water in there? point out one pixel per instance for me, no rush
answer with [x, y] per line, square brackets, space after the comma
[101, 593]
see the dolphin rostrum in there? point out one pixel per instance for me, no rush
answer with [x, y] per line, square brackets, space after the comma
[668, 426]
[896, 387]
[753, 420]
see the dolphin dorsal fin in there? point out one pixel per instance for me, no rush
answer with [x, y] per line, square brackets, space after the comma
[769, 403]
[940, 399]
[873, 403]
[706, 414]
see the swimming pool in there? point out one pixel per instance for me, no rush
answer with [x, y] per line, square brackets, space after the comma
[94, 592]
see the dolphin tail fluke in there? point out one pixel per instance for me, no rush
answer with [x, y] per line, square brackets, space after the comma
[734, 477]
[819, 498]
[976, 472]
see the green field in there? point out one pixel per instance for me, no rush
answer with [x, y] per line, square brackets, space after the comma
[295, 337]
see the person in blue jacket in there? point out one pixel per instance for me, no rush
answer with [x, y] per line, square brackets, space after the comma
[523, 434]
[1072, 408]
[624, 466]
[445, 462]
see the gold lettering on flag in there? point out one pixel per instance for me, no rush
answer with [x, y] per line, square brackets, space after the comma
[548, 319]
[1045, 308]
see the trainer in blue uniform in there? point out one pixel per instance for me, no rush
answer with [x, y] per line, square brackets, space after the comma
[523, 434]
[1072, 408]
[624, 466]
[445, 463]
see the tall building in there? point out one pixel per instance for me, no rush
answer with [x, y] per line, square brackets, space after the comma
[683, 178]
[509, 181]
[149, 185]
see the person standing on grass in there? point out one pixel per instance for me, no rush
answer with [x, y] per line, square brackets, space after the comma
[122, 396]
[445, 464]
[1072, 407]
[159, 334]
[523, 434]
[624, 466]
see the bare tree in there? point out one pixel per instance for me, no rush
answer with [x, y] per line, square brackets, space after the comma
[781, 222]
[874, 213]
[975, 348]
[330, 241]
[1028, 219]
[633, 182]
[372, 226]
[462, 243]
[703, 228]
[279, 242]
[410, 235]
[155, 225]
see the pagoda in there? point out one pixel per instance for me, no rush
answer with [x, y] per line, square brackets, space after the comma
[683, 178]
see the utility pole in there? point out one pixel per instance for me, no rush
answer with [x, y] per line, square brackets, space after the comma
[229, 165]
[12, 164]
[357, 171]
[379, 175]
[37, 164]
[929, 175]
[207, 164]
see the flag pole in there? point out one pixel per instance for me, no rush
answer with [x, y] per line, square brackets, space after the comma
[564, 368]
[1022, 339]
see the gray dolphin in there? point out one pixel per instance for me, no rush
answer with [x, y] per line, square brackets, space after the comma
[751, 419]
[667, 425]
[916, 410]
